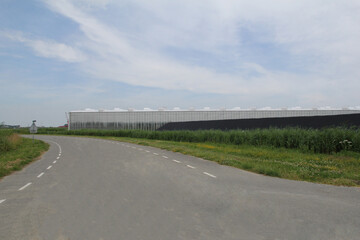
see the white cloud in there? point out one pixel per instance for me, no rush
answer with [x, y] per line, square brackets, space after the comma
[56, 50]
[48, 49]
[130, 47]
[118, 60]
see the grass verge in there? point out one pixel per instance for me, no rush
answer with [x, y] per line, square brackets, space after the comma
[22, 152]
[336, 169]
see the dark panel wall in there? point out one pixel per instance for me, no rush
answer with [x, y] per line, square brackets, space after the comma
[303, 122]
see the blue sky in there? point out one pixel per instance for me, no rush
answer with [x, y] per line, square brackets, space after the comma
[63, 55]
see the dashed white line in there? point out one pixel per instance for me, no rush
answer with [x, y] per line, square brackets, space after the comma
[39, 176]
[176, 161]
[2, 200]
[57, 157]
[22, 188]
[164, 156]
[140, 149]
[155, 153]
[57, 145]
[49, 167]
[147, 151]
[133, 147]
[190, 166]
[54, 161]
[213, 176]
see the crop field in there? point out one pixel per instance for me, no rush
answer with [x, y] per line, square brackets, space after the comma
[328, 140]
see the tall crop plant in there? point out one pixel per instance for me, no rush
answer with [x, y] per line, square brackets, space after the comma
[328, 140]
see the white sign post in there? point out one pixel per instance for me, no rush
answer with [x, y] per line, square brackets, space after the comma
[33, 129]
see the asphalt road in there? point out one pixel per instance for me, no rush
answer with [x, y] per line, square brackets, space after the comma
[95, 189]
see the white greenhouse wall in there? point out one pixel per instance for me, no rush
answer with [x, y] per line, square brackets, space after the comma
[152, 120]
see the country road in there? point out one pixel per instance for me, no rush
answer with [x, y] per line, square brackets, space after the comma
[95, 189]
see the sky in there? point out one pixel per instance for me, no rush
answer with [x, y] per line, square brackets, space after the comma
[58, 56]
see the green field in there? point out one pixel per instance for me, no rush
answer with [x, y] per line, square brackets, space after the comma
[16, 152]
[329, 140]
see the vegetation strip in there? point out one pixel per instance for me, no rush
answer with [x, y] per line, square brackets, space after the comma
[328, 140]
[16, 152]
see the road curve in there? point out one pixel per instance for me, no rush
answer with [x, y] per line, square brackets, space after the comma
[97, 189]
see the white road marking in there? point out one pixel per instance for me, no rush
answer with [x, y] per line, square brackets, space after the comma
[57, 145]
[22, 188]
[133, 147]
[2, 200]
[54, 161]
[155, 153]
[57, 157]
[176, 161]
[164, 156]
[147, 151]
[190, 166]
[213, 176]
[49, 167]
[141, 149]
[39, 176]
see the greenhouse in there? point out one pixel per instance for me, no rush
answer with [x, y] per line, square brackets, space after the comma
[149, 119]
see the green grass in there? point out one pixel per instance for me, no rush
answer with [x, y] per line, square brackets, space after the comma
[8, 141]
[336, 169]
[16, 152]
